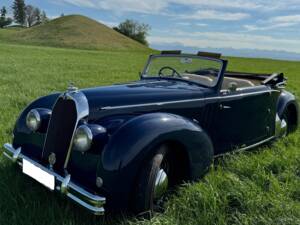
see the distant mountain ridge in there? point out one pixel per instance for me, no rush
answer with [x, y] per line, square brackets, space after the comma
[247, 53]
[73, 31]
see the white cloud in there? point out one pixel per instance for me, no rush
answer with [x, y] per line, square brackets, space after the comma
[184, 23]
[161, 7]
[147, 6]
[191, 24]
[152, 6]
[109, 23]
[201, 24]
[228, 40]
[239, 4]
[214, 15]
[82, 3]
[52, 17]
[286, 19]
[268, 27]
[275, 23]
[155, 6]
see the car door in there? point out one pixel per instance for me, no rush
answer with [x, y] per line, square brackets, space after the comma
[244, 117]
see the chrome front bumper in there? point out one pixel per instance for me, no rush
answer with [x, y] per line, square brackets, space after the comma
[93, 203]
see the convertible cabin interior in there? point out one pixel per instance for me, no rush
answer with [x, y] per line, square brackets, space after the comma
[231, 78]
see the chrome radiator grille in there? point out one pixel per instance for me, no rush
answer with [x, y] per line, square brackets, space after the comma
[60, 131]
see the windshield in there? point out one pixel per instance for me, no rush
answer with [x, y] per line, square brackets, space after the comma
[192, 68]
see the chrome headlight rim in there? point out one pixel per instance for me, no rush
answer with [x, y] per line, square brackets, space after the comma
[86, 133]
[31, 116]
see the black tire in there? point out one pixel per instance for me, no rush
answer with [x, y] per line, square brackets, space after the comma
[144, 201]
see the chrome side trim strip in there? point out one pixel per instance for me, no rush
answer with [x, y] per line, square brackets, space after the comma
[186, 101]
[246, 88]
[256, 144]
[64, 185]
[249, 147]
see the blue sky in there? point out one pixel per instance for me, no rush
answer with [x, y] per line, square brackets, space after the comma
[238, 24]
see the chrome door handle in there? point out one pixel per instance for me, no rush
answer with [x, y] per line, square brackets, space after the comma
[224, 106]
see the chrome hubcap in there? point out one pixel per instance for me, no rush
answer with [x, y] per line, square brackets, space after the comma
[161, 184]
[284, 128]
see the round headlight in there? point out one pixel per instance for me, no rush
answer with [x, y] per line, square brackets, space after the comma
[33, 120]
[83, 139]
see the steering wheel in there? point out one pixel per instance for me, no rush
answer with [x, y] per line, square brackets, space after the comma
[160, 72]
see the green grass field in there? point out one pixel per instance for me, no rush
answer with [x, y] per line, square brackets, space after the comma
[257, 187]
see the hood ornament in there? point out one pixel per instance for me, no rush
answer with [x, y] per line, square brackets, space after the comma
[72, 88]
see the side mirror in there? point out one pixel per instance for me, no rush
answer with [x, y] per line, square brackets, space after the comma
[232, 87]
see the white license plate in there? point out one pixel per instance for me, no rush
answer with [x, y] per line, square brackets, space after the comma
[38, 174]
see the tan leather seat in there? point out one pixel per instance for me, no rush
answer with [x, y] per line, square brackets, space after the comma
[240, 83]
[198, 78]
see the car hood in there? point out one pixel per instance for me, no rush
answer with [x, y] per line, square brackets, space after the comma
[141, 92]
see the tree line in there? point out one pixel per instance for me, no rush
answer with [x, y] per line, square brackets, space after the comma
[23, 15]
[135, 30]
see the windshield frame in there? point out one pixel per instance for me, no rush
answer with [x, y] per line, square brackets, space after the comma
[151, 57]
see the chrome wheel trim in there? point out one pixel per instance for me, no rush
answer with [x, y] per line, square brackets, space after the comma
[161, 184]
[281, 127]
[284, 128]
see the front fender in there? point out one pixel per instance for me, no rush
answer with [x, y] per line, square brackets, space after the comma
[46, 102]
[136, 140]
[31, 143]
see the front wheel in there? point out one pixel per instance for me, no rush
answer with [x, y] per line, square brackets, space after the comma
[153, 183]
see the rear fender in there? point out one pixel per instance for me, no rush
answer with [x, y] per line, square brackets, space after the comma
[285, 100]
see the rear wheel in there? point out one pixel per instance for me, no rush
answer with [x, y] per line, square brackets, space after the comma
[153, 183]
[289, 119]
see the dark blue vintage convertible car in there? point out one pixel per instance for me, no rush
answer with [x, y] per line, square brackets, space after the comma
[124, 146]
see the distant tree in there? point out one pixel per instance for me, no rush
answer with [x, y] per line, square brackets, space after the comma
[44, 17]
[19, 11]
[38, 16]
[62, 15]
[4, 21]
[3, 11]
[32, 15]
[135, 30]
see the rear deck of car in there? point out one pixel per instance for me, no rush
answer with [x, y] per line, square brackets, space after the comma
[243, 80]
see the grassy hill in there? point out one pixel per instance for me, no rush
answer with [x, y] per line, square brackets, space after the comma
[257, 187]
[72, 31]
